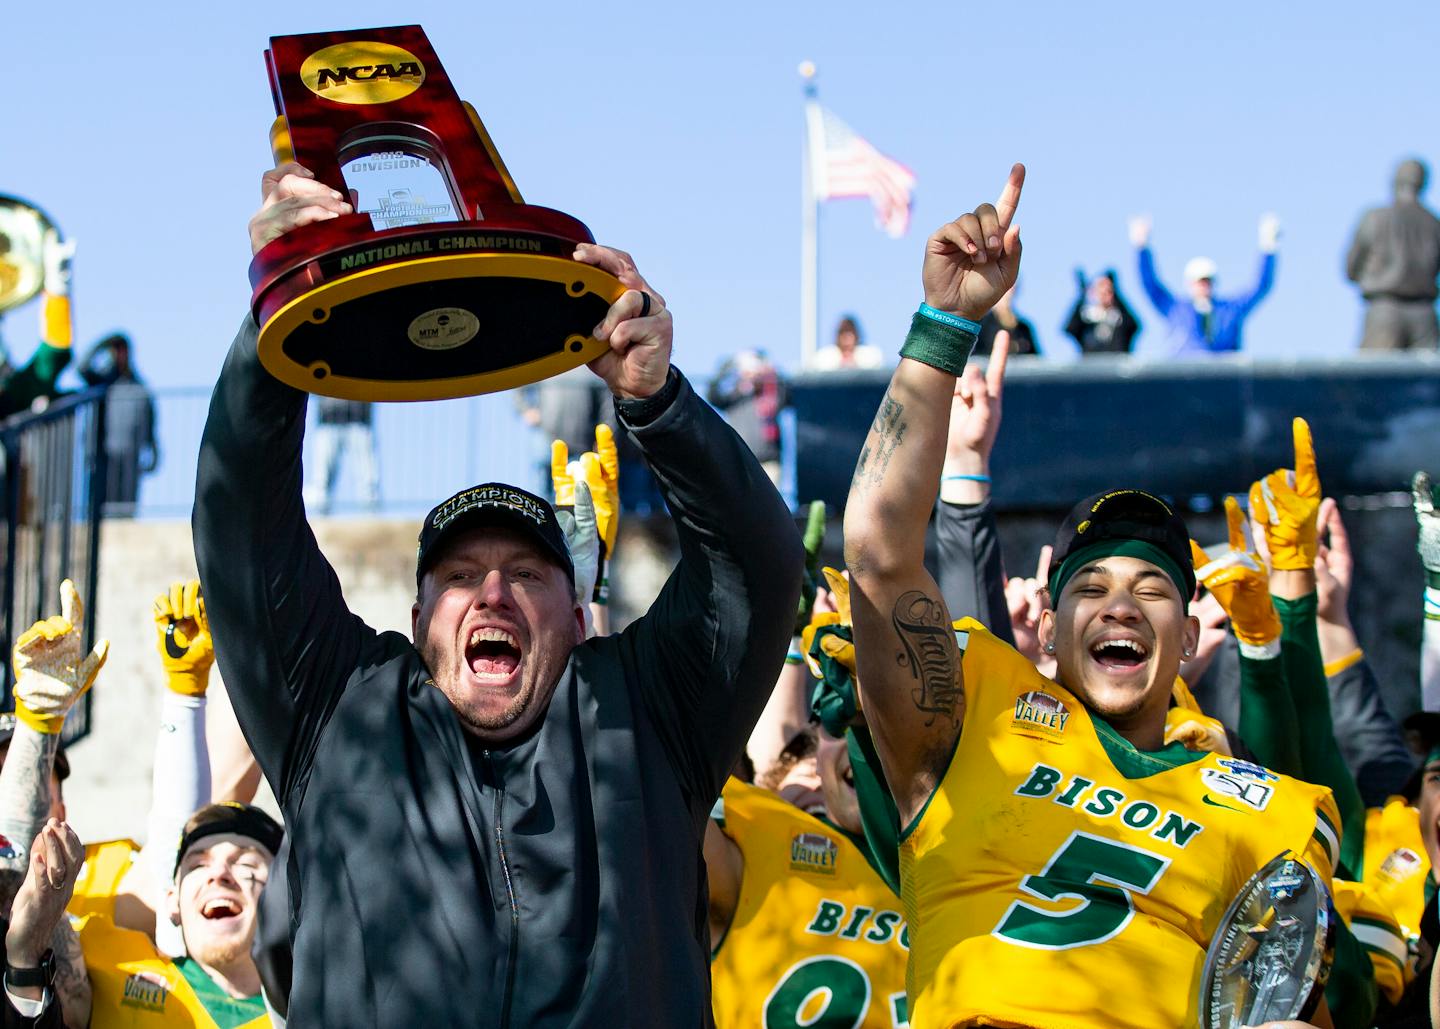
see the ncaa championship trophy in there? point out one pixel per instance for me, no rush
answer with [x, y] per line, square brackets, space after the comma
[23, 232]
[444, 282]
[1270, 957]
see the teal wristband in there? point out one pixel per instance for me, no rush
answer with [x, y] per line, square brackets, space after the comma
[965, 478]
[938, 343]
[952, 320]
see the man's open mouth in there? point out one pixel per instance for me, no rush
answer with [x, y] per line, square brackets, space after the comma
[492, 654]
[218, 908]
[1119, 655]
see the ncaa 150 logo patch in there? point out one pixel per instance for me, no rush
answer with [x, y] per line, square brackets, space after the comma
[1243, 788]
[1042, 712]
[813, 852]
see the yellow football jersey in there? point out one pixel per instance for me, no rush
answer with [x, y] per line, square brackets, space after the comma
[135, 986]
[817, 938]
[1044, 887]
[1374, 924]
[1396, 865]
[100, 877]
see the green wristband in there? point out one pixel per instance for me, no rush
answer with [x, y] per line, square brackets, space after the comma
[939, 345]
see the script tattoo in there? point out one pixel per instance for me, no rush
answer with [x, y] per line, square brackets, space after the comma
[929, 654]
[886, 434]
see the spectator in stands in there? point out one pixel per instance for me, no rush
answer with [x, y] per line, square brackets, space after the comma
[749, 390]
[1002, 317]
[1101, 322]
[1395, 259]
[1205, 323]
[343, 425]
[20, 388]
[130, 446]
[847, 351]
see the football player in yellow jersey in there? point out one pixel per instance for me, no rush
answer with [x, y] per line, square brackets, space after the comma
[125, 883]
[1060, 866]
[804, 931]
[223, 864]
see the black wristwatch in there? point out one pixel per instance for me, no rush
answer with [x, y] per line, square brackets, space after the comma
[42, 976]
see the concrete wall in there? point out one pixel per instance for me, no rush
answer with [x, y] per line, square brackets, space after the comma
[108, 793]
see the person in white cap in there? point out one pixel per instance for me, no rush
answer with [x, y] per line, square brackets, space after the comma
[1205, 323]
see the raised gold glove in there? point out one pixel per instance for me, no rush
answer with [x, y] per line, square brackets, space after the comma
[1239, 581]
[183, 639]
[52, 671]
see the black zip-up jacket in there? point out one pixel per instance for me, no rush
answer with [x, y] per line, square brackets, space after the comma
[558, 882]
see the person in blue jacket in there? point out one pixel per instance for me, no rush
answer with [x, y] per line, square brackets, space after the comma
[1204, 323]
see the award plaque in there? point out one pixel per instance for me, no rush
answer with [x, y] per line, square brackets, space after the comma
[444, 282]
[23, 228]
[1270, 956]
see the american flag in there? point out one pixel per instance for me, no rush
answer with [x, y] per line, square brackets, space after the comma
[848, 166]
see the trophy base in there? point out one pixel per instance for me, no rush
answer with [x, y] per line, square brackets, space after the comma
[427, 312]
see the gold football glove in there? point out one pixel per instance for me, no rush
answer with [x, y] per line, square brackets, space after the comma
[1240, 583]
[183, 639]
[51, 669]
[603, 475]
[1286, 504]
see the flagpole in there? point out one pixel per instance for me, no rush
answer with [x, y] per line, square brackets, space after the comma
[809, 220]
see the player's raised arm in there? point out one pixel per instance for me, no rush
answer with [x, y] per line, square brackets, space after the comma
[909, 667]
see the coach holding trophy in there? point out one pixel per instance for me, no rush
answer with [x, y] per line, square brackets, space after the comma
[496, 822]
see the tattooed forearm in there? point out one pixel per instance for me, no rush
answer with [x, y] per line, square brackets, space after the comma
[886, 434]
[930, 654]
[24, 795]
[72, 982]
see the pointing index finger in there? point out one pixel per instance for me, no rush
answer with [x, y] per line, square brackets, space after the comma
[1010, 196]
[1235, 524]
[1307, 480]
[999, 357]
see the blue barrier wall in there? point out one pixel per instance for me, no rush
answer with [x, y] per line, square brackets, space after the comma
[1182, 429]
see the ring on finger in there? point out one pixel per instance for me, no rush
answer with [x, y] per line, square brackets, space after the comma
[644, 304]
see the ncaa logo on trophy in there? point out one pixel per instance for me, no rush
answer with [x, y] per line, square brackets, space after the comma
[444, 282]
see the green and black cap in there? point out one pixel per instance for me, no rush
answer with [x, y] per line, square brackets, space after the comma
[1127, 522]
[1422, 736]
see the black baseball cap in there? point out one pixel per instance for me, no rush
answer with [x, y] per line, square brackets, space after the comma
[1422, 736]
[7, 732]
[229, 817]
[493, 503]
[1102, 524]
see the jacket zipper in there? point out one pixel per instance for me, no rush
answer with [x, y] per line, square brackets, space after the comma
[509, 893]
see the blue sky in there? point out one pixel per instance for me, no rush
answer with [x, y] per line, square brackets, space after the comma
[674, 131]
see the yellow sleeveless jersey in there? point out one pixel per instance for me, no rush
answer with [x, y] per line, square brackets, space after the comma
[1396, 865]
[135, 986]
[1045, 888]
[817, 938]
[1374, 924]
[100, 877]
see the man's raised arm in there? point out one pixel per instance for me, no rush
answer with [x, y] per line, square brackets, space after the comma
[283, 636]
[908, 664]
[705, 656]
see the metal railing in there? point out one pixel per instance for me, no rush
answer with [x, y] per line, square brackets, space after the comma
[425, 453]
[53, 478]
